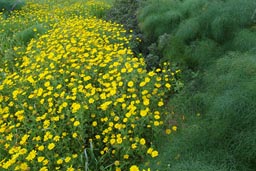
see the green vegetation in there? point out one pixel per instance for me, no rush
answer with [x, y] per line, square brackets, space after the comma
[219, 129]
[200, 30]
[125, 12]
[73, 95]
[10, 5]
[26, 35]
[138, 85]
[214, 41]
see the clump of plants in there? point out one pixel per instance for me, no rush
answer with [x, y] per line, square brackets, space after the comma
[97, 8]
[125, 12]
[32, 23]
[219, 128]
[215, 40]
[10, 5]
[25, 36]
[199, 31]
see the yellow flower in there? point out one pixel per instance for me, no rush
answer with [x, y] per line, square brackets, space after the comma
[119, 140]
[59, 161]
[154, 153]
[9, 137]
[134, 146]
[47, 84]
[40, 159]
[91, 100]
[143, 113]
[58, 86]
[130, 84]
[174, 128]
[43, 169]
[134, 168]
[76, 123]
[70, 168]
[157, 117]
[45, 162]
[151, 73]
[146, 102]
[168, 131]
[74, 135]
[74, 156]
[23, 151]
[67, 159]
[94, 123]
[41, 148]
[126, 156]
[156, 123]
[31, 155]
[24, 166]
[167, 85]
[51, 146]
[46, 124]
[142, 141]
[149, 151]
[112, 141]
[161, 103]
[47, 136]
[75, 107]
[147, 79]
[64, 104]
[31, 80]
[117, 163]
[56, 138]
[142, 84]
[146, 170]
[105, 105]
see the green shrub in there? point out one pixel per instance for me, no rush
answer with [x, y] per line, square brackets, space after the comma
[189, 30]
[223, 131]
[124, 12]
[191, 22]
[244, 41]
[158, 17]
[26, 35]
[191, 7]
[9, 5]
[202, 53]
[217, 107]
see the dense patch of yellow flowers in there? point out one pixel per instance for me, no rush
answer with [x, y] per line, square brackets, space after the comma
[79, 89]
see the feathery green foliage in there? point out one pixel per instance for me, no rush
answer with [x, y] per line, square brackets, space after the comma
[191, 22]
[223, 132]
[245, 40]
[217, 106]
[9, 5]
[194, 30]
[158, 17]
